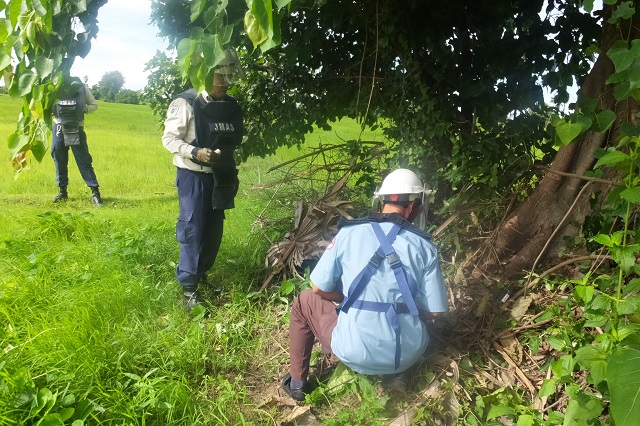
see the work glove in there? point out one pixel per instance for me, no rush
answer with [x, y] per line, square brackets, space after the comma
[207, 155]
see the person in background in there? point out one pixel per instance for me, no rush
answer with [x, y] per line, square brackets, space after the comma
[392, 288]
[202, 131]
[68, 132]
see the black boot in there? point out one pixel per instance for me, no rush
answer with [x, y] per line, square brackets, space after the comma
[191, 297]
[95, 197]
[62, 195]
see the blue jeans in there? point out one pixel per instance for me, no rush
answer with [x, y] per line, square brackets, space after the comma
[199, 228]
[60, 154]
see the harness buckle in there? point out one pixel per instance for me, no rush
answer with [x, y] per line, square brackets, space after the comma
[375, 260]
[400, 308]
[394, 261]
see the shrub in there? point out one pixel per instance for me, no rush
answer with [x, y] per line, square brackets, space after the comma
[127, 96]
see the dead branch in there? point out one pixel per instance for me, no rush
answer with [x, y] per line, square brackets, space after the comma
[555, 268]
[587, 178]
[319, 151]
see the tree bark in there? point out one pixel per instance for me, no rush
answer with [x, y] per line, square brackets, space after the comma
[514, 247]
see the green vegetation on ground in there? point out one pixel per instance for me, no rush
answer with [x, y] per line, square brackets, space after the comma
[92, 326]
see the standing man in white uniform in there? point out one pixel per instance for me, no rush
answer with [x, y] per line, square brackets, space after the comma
[202, 131]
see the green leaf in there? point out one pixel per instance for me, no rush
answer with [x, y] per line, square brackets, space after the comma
[556, 343]
[623, 11]
[499, 410]
[612, 158]
[282, 3]
[631, 329]
[186, 47]
[256, 33]
[548, 388]
[275, 36]
[5, 61]
[16, 143]
[83, 409]
[584, 121]
[582, 408]
[66, 413]
[197, 6]
[52, 419]
[287, 287]
[39, 149]
[621, 56]
[14, 11]
[630, 129]
[44, 400]
[603, 120]
[596, 321]
[603, 239]
[26, 82]
[622, 90]
[601, 302]
[633, 285]
[618, 77]
[567, 132]
[563, 368]
[584, 293]
[588, 5]
[623, 378]
[631, 195]
[198, 312]
[554, 418]
[525, 420]
[586, 105]
[625, 257]
[38, 7]
[341, 376]
[594, 359]
[44, 66]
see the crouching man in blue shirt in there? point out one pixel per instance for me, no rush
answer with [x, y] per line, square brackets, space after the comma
[392, 286]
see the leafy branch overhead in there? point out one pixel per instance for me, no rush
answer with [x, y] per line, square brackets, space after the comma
[42, 38]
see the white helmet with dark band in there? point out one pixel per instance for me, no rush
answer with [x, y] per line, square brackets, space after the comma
[404, 186]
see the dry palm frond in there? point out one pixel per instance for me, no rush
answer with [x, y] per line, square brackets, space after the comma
[315, 225]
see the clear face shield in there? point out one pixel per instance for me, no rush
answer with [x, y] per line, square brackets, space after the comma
[230, 68]
[420, 219]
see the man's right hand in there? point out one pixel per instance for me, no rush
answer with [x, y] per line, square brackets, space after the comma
[204, 155]
[207, 155]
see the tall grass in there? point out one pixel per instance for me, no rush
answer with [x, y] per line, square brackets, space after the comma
[91, 323]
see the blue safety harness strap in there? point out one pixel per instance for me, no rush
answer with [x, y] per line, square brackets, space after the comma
[396, 266]
[405, 281]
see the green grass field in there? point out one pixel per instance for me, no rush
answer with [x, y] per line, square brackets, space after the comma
[91, 324]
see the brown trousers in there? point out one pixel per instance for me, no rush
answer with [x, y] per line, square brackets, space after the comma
[312, 317]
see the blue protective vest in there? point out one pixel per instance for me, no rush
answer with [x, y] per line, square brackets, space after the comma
[406, 283]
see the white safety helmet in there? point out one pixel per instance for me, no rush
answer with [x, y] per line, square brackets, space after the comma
[403, 185]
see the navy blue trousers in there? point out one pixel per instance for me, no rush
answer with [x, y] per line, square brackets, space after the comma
[199, 228]
[60, 154]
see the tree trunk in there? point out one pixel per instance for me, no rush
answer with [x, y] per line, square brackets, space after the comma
[537, 227]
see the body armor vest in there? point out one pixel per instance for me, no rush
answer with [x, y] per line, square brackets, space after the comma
[218, 125]
[71, 110]
[70, 113]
